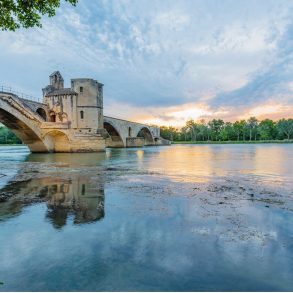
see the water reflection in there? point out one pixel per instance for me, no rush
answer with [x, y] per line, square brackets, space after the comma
[66, 193]
[77, 196]
[164, 229]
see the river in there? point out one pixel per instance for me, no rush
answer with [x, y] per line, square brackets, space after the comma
[177, 218]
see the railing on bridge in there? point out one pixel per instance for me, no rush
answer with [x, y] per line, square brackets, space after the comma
[7, 89]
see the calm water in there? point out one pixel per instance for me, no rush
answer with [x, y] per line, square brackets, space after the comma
[180, 218]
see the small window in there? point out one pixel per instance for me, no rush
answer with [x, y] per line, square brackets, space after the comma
[81, 89]
[81, 115]
[83, 189]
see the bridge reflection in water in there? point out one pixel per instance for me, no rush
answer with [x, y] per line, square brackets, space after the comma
[68, 195]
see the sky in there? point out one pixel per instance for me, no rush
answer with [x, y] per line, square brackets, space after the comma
[164, 62]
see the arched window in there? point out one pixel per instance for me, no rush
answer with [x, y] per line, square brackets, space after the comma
[81, 114]
[52, 116]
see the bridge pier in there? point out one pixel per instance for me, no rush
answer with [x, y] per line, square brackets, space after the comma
[135, 142]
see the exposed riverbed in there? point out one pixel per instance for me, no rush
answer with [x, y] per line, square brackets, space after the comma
[179, 218]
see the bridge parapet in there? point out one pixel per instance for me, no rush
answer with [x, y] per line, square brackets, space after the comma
[9, 90]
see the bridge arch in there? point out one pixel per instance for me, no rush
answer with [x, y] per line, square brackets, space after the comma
[115, 139]
[22, 123]
[59, 140]
[146, 134]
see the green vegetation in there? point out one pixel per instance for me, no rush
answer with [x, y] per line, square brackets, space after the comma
[26, 13]
[233, 142]
[8, 137]
[243, 131]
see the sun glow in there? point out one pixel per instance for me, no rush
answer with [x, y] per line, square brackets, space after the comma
[174, 116]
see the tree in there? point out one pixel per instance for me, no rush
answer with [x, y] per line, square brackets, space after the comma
[184, 133]
[194, 129]
[229, 128]
[251, 125]
[239, 127]
[267, 129]
[285, 127]
[243, 127]
[170, 133]
[26, 13]
[203, 131]
[217, 129]
[216, 125]
[8, 137]
[223, 134]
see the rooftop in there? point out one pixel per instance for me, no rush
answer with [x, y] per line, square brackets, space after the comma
[61, 92]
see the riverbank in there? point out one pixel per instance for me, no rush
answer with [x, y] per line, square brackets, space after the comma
[233, 142]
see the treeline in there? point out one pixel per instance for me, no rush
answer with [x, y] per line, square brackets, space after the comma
[8, 137]
[218, 130]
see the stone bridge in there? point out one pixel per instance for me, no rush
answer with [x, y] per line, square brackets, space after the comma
[71, 120]
[26, 123]
[130, 134]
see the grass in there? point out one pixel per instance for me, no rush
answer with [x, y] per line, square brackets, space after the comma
[233, 142]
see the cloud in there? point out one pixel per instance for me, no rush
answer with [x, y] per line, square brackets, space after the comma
[219, 56]
[271, 82]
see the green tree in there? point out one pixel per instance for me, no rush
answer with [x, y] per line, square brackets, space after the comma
[216, 126]
[15, 14]
[252, 124]
[170, 133]
[239, 128]
[203, 131]
[194, 129]
[8, 137]
[229, 128]
[184, 133]
[243, 128]
[285, 126]
[267, 129]
[223, 135]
